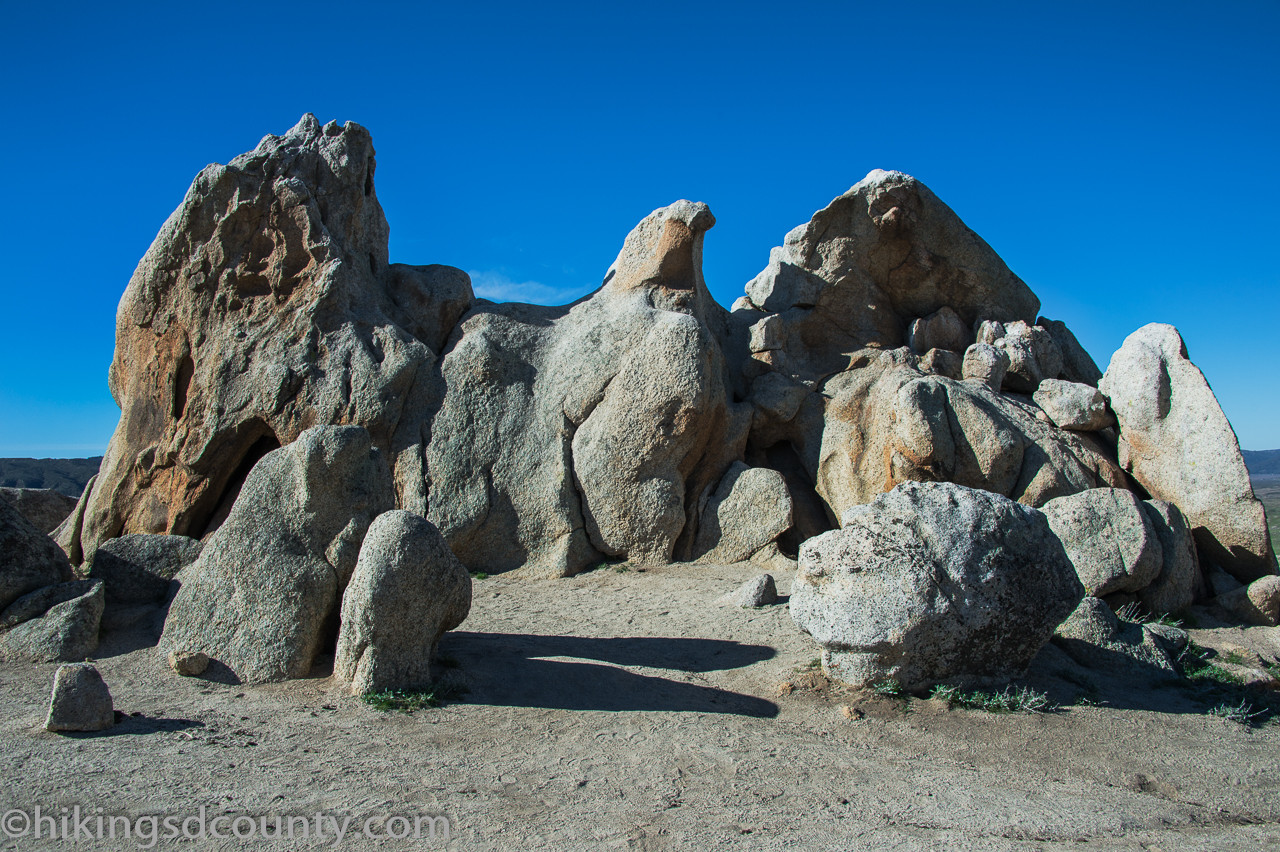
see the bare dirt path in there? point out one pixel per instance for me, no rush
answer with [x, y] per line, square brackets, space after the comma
[634, 711]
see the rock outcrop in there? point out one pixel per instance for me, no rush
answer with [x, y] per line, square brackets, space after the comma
[407, 590]
[1177, 443]
[598, 430]
[265, 306]
[864, 268]
[262, 598]
[883, 422]
[831, 382]
[933, 582]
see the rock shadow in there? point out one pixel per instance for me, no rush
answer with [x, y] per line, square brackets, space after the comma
[510, 670]
[136, 725]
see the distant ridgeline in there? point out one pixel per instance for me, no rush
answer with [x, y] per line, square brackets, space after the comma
[67, 476]
[1262, 462]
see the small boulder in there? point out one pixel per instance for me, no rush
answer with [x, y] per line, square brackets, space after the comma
[66, 632]
[942, 362]
[80, 700]
[188, 663]
[933, 582]
[407, 590]
[1033, 356]
[1109, 539]
[750, 508]
[756, 592]
[1071, 405]
[985, 363]
[1256, 603]
[1077, 364]
[1093, 637]
[942, 329]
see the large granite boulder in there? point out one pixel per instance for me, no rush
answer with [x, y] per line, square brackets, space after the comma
[45, 508]
[1177, 443]
[933, 582]
[29, 559]
[407, 589]
[1109, 539]
[597, 430]
[266, 305]
[266, 587]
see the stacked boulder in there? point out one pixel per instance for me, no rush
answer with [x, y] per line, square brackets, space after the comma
[888, 343]
[311, 556]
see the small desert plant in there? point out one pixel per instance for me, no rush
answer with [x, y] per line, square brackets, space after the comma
[479, 575]
[1196, 663]
[406, 701]
[1243, 713]
[943, 692]
[1235, 658]
[888, 686]
[622, 569]
[400, 700]
[1133, 612]
[1008, 700]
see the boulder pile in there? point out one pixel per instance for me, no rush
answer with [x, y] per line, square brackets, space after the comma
[317, 444]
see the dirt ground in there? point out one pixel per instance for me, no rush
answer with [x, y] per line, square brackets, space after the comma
[632, 710]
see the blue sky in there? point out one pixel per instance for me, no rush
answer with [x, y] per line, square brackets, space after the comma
[1121, 157]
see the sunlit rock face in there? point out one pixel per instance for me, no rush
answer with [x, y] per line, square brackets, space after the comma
[266, 305]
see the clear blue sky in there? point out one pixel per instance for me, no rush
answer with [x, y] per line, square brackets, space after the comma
[1121, 157]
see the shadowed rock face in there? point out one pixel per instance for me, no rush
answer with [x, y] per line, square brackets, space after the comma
[266, 305]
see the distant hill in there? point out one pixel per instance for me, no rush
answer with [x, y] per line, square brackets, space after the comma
[67, 476]
[1262, 462]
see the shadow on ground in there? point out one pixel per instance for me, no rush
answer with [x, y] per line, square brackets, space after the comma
[136, 725]
[512, 670]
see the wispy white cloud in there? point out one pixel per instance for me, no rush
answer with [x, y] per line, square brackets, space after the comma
[497, 287]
